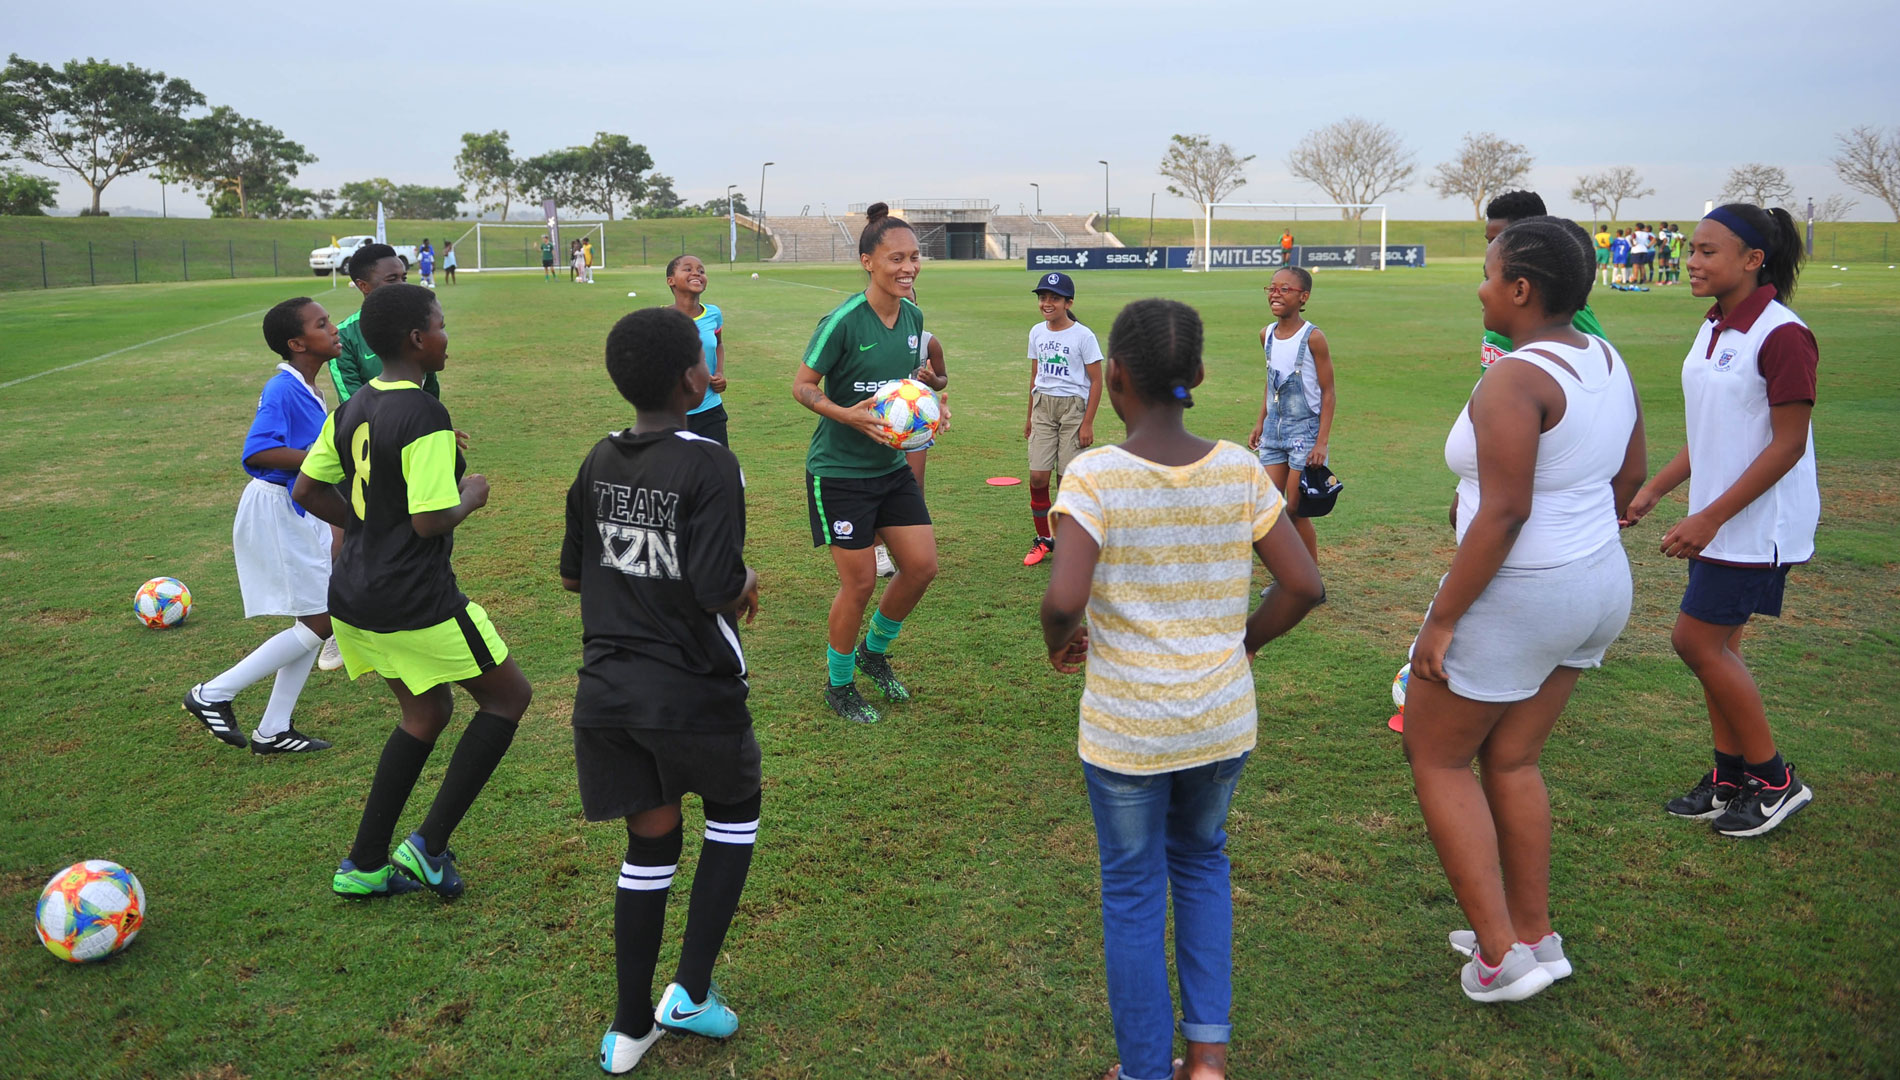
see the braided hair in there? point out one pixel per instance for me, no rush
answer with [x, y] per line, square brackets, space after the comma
[1159, 343]
[1553, 253]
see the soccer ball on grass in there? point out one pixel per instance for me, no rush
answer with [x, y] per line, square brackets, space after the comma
[911, 413]
[89, 911]
[162, 602]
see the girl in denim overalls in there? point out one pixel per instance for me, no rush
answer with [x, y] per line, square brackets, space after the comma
[1296, 416]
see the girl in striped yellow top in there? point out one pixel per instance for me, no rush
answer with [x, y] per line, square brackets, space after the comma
[1156, 537]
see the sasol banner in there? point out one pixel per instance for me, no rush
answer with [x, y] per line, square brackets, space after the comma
[1130, 258]
[1322, 256]
[1229, 257]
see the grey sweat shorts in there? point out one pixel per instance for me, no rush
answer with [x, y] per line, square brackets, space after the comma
[1528, 623]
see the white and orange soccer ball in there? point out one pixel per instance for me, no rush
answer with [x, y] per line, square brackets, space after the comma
[89, 911]
[162, 602]
[911, 412]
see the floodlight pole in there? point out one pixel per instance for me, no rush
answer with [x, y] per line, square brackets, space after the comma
[1104, 166]
[730, 253]
[758, 212]
[1038, 188]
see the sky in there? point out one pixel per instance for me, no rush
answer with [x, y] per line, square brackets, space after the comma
[855, 102]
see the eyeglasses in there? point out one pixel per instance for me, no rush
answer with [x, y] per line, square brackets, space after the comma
[1282, 288]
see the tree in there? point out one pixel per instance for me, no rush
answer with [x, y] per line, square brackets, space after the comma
[1833, 208]
[661, 199]
[1201, 171]
[1354, 160]
[1607, 190]
[613, 170]
[1485, 166]
[232, 157]
[1869, 162]
[1763, 185]
[416, 202]
[553, 175]
[93, 118]
[486, 167]
[22, 195]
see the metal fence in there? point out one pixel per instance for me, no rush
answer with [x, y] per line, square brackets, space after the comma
[45, 264]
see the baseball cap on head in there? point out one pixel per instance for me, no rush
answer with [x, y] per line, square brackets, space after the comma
[1059, 284]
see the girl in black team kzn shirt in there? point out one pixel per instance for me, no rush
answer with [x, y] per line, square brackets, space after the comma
[654, 545]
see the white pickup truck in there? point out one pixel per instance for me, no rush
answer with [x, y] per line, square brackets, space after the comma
[336, 257]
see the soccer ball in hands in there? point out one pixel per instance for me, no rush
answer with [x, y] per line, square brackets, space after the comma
[162, 602]
[1398, 686]
[89, 911]
[911, 413]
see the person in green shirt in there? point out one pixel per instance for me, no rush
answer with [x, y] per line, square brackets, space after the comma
[858, 487]
[547, 258]
[372, 267]
[1501, 213]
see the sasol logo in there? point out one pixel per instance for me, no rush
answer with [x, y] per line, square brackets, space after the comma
[1725, 360]
[874, 387]
[841, 529]
[1129, 259]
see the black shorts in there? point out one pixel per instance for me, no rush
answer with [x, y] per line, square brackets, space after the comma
[547, 264]
[628, 771]
[847, 511]
[1730, 595]
[710, 424]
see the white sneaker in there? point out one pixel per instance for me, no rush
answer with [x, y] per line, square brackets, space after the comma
[885, 568]
[1518, 977]
[1549, 951]
[620, 1053]
[331, 657]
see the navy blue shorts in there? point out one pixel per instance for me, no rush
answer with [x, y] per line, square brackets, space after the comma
[1729, 595]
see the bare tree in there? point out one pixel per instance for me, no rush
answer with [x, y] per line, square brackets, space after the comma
[1354, 160]
[1869, 162]
[1763, 185]
[1202, 171]
[1833, 208]
[1607, 190]
[1485, 165]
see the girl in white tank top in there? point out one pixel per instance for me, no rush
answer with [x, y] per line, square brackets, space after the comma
[1548, 452]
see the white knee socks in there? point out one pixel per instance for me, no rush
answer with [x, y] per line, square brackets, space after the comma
[290, 654]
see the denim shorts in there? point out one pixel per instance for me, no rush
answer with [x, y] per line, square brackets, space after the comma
[1730, 595]
[1285, 441]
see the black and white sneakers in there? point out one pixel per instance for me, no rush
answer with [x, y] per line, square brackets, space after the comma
[1761, 809]
[216, 716]
[288, 741]
[1705, 801]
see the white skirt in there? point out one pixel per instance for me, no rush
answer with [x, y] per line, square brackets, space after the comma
[283, 560]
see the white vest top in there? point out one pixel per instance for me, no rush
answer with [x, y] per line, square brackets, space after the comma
[1573, 508]
[1726, 401]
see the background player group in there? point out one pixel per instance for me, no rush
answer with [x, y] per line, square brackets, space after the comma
[1156, 534]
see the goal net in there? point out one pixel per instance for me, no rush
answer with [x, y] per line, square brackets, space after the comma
[513, 245]
[1246, 235]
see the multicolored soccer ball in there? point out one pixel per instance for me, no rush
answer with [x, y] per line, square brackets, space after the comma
[162, 602]
[1399, 682]
[89, 911]
[911, 413]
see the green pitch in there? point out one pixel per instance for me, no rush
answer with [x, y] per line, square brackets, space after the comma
[923, 900]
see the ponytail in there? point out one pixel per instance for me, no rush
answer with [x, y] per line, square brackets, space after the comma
[877, 222]
[1774, 235]
[1159, 343]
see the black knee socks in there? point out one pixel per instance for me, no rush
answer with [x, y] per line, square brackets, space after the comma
[481, 749]
[724, 861]
[639, 919]
[402, 761]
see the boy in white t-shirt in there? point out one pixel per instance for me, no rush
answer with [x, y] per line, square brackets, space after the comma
[1065, 387]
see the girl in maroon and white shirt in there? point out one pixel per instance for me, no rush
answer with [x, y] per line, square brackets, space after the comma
[1748, 385]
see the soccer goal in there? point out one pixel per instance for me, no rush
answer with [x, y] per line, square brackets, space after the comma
[516, 245]
[1353, 234]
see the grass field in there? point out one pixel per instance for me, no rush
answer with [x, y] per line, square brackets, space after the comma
[923, 901]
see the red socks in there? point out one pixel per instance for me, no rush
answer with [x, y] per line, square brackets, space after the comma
[1039, 509]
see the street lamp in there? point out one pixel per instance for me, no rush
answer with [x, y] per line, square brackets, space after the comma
[1104, 166]
[758, 212]
[1038, 188]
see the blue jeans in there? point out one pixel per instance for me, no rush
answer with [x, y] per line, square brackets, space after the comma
[1153, 832]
